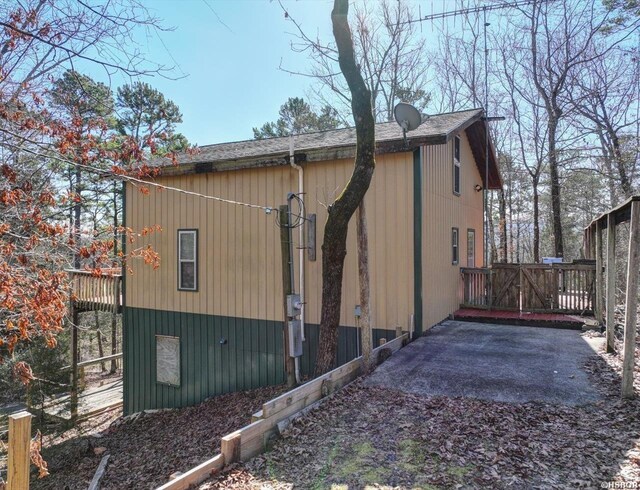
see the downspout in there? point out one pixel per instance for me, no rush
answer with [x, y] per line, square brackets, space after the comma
[301, 247]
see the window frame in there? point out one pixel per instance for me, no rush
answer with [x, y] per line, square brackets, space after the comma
[180, 261]
[455, 245]
[471, 231]
[457, 150]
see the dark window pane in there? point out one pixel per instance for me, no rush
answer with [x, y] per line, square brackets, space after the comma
[187, 275]
[454, 245]
[187, 246]
[457, 149]
[456, 178]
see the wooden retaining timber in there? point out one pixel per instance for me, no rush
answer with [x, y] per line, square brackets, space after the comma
[253, 439]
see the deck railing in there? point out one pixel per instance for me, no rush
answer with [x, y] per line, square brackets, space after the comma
[100, 292]
[475, 289]
[558, 288]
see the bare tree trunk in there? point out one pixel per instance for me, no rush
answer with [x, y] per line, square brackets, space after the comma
[99, 335]
[502, 201]
[625, 183]
[334, 246]
[536, 222]
[493, 251]
[365, 293]
[556, 208]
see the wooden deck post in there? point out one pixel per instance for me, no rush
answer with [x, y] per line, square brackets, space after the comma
[611, 282]
[631, 302]
[19, 451]
[73, 395]
[599, 286]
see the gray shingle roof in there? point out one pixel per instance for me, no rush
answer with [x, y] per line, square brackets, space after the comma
[433, 126]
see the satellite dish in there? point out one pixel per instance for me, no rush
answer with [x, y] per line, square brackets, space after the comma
[407, 116]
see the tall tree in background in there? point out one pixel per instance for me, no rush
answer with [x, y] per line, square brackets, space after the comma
[148, 118]
[45, 130]
[601, 100]
[563, 46]
[334, 245]
[392, 59]
[87, 107]
[297, 117]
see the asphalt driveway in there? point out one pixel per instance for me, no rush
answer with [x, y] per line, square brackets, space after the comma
[493, 362]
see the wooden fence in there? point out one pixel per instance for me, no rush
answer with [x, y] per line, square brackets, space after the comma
[252, 439]
[100, 292]
[553, 288]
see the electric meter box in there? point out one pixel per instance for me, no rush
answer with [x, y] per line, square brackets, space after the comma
[294, 305]
[295, 338]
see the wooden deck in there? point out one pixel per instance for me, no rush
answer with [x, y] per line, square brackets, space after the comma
[535, 319]
[101, 292]
[90, 402]
[567, 289]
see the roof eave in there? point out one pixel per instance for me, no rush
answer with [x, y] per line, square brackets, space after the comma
[301, 156]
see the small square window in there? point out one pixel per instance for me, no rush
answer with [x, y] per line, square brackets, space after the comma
[187, 260]
[455, 248]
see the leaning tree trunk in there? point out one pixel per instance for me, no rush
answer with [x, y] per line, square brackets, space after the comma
[334, 246]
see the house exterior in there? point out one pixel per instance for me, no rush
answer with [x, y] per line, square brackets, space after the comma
[210, 319]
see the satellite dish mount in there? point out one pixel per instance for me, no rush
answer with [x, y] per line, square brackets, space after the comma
[407, 117]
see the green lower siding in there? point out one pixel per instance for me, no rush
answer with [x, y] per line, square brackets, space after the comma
[251, 357]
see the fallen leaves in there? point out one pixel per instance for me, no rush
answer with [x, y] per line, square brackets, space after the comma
[378, 438]
[146, 449]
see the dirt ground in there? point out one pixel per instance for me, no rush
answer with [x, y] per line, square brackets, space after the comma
[146, 450]
[367, 437]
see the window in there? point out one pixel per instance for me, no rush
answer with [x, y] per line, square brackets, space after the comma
[187, 260]
[454, 246]
[471, 248]
[456, 165]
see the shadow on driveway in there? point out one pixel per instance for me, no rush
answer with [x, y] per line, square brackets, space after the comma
[502, 363]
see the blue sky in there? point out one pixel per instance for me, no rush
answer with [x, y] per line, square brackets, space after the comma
[233, 80]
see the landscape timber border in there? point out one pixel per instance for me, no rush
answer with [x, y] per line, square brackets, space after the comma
[254, 438]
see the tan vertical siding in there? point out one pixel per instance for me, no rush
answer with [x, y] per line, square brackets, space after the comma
[239, 264]
[444, 210]
[389, 214]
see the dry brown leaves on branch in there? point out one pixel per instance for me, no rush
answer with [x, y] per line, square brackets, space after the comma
[36, 457]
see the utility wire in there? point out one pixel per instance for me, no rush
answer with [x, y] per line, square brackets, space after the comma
[471, 10]
[135, 180]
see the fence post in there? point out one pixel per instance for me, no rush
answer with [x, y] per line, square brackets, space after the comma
[611, 282]
[19, 451]
[631, 301]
